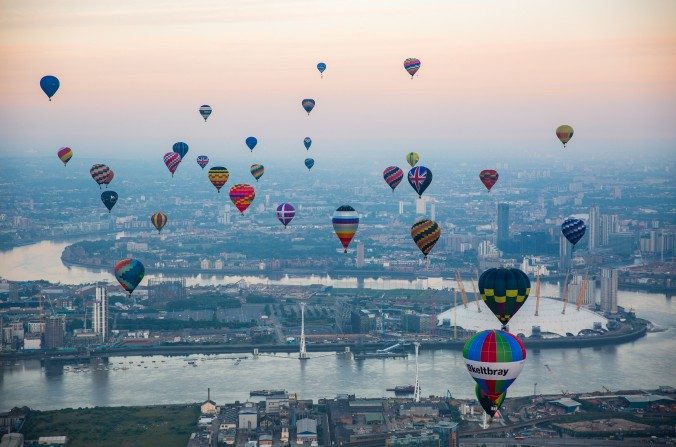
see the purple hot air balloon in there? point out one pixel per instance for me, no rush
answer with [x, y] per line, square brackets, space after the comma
[285, 213]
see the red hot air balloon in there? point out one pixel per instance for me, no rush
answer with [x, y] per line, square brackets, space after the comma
[109, 178]
[393, 176]
[172, 160]
[489, 177]
[242, 195]
[65, 154]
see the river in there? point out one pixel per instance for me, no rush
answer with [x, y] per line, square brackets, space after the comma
[645, 363]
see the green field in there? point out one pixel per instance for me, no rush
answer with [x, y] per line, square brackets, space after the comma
[167, 425]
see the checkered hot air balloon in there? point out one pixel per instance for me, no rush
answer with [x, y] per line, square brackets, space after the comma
[65, 154]
[109, 178]
[172, 160]
[494, 359]
[99, 173]
[573, 229]
[393, 176]
[242, 195]
[345, 223]
[504, 290]
[285, 213]
[489, 178]
[425, 234]
[129, 272]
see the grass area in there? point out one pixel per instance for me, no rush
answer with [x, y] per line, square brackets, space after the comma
[166, 425]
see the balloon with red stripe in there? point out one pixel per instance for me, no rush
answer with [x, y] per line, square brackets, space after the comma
[345, 223]
[393, 176]
[242, 195]
[159, 220]
[172, 160]
[65, 154]
[489, 177]
[129, 273]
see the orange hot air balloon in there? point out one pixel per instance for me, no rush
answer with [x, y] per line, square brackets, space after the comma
[564, 133]
[218, 175]
[425, 234]
[65, 154]
[159, 220]
[242, 195]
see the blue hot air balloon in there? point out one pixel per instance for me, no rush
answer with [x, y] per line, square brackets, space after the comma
[308, 105]
[181, 149]
[49, 84]
[321, 67]
[420, 178]
[251, 142]
[109, 199]
[307, 142]
[205, 111]
[309, 163]
[573, 230]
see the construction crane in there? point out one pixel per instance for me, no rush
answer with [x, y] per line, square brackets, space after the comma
[606, 388]
[537, 290]
[458, 279]
[476, 295]
[581, 294]
[563, 391]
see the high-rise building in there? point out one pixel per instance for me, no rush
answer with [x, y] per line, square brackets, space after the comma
[503, 225]
[565, 253]
[420, 206]
[401, 207]
[54, 330]
[594, 228]
[609, 290]
[433, 211]
[100, 313]
[360, 254]
[609, 225]
[163, 290]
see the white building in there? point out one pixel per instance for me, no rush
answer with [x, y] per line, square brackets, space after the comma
[248, 417]
[401, 207]
[306, 431]
[594, 224]
[100, 314]
[420, 206]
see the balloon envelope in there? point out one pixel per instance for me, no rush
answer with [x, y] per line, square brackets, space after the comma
[65, 154]
[308, 105]
[321, 67]
[99, 173]
[251, 142]
[412, 158]
[489, 405]
[109, 199]
[129, 272]
[393, 176]
[488, 177]
[420, 178]
[412, 65]
[257, 171]
[345, 223]
[425, 234]
[181, 149]
[504, 290]
[242, 195]
[218, 176]
[573, 230]
[109, 178]
[205, 111]
[309, 163]
[202, 160]
[307, 142]
[285, 213]
[49, 84]
[159, 220]
[494, 359]
[172, 160]
[564, 133]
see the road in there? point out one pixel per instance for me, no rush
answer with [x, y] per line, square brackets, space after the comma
[562, 442]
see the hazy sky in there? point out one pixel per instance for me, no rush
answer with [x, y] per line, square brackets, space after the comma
[496, 75]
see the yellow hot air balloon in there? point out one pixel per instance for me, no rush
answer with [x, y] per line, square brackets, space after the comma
[565, 133]
[218, 175]
[412, 158]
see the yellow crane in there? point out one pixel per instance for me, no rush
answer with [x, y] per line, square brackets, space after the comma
[583, 290]
[458, 279]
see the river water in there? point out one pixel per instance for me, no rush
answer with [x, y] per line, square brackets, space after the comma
[645, 363]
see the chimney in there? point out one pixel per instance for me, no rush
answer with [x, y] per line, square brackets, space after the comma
[208, 393]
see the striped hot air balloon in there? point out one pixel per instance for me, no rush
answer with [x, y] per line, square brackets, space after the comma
[345, 224]
[308, 104]
[172, 160]
[412, 65]
[504, 290]
[99, 173]
[65, 154]
[159, 220]
[218, 176]
[202, 160]
[257, 171]
[573, 229]
[393, 176]
[488, 177]
[242, 195]
[494, 359]
[425, 234]
[181, 149]
[285, 213]
[129, 272]
[205, 111]
[564, 133]
[412, 158]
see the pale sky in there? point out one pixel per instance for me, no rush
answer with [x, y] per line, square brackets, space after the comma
[496, 75]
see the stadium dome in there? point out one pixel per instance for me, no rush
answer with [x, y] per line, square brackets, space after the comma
[549, 319]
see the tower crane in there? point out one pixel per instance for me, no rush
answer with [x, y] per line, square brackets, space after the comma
[458, 279]
[581, 294]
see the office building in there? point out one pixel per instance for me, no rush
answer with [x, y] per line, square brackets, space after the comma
[163, 290]
[565, 253]
[54, 330]
[401, 207]
[100, 314]
[594, 223]
[360, 254]
[503, 225]
[609, 225]
[609, 279]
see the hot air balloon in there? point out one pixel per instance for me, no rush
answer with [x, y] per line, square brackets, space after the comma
[172, 160]
[309, 163]
[251, 143]
[345, 223]
[218, 175]
[65, 154]
[307, 141]
[109, 199]
[412, 158]
[308, 105]
[129, 272]
[257, 171]
[573, 230]
[181, 149]
[564, 133]
[494, 359]
[202, 160]
[420, 178]
[99, 173]
[425, 234]
[412, 65]
[321, 67]
[488, 177]
[205, 111]
[393, 176]
[504, 290]
[490, 407]
[285, 213]
[49, 84]
[242, 195]
[159, 220]
[109, 178]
